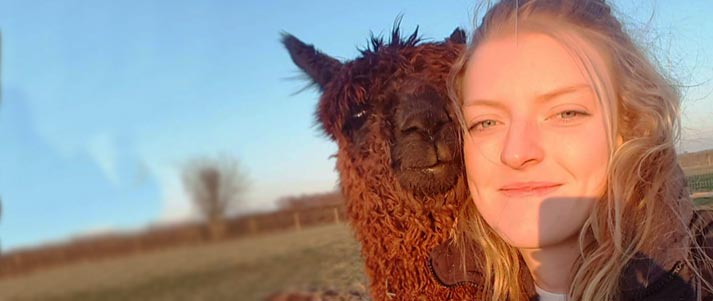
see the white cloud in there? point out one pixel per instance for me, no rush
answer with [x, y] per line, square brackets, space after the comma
[102, 149]
[175, 205]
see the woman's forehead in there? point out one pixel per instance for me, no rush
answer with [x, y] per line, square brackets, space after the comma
[524, 65]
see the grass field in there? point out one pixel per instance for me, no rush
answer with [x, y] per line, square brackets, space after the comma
[324, 257]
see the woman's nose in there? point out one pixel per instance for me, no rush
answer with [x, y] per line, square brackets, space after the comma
[522, 146]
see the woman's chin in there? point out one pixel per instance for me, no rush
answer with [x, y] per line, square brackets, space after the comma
[536, 240]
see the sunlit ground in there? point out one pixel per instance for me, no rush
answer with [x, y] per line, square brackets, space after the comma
[324, 257]
[321, 257]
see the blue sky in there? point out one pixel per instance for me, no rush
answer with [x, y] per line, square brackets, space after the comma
[103, 101]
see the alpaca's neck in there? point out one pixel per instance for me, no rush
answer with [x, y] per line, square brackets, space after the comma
[398, 229]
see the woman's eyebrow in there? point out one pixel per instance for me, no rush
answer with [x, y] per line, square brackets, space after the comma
[485, 102]
[561, 91]
[540, 98]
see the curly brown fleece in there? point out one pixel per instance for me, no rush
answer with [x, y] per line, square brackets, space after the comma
[396, 221]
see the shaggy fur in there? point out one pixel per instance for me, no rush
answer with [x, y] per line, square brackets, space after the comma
[398, 155]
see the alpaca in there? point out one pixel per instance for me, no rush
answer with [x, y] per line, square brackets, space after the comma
[398, 158]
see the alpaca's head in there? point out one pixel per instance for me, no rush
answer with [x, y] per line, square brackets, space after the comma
[388, 111]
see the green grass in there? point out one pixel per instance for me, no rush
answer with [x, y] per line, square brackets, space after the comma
[325, 257]
[703, 201]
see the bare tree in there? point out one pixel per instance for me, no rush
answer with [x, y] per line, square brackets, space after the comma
[216, 187]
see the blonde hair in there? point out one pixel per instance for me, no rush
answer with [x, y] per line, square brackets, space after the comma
[645, 183]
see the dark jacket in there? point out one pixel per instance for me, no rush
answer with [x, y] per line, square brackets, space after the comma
[644, 279]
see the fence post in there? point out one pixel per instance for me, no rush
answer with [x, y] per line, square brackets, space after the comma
[336, 215]
[296, 217]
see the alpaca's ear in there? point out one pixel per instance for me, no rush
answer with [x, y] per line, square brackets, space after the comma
[320, 67]
[457, 37]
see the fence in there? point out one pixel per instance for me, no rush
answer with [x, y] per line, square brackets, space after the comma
[700, 183]
[287, 219]
[699, 178]
[23, 261]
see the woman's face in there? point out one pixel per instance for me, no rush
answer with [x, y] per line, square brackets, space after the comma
[536, 151]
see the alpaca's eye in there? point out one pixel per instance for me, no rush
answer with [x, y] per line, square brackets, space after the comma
[356, 120]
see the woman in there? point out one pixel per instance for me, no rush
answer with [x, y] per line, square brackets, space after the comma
[569, 134]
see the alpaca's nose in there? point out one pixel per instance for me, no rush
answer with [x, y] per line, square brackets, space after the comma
[423, 114]
[426, 122]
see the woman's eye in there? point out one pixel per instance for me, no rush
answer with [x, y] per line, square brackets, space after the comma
[482, 125]
[570, 115]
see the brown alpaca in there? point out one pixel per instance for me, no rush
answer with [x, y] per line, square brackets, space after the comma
[398, 158]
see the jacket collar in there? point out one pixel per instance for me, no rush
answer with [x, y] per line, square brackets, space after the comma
[455, 265]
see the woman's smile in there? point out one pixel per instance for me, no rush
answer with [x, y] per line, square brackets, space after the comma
[526, 189]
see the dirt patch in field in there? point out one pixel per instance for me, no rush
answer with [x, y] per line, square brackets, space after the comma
[325, 257]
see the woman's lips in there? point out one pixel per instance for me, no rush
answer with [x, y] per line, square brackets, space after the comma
[529, 189]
